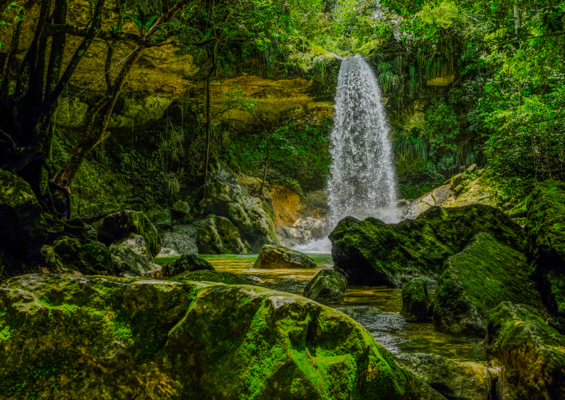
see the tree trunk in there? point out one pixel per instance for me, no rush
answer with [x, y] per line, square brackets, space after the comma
[97, 122]
[208, 129]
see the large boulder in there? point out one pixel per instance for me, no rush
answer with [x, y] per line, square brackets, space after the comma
[22, 227]
[186, 263]
[120, 225]
[373, 253]
[545, 243]
[218, 235]
[532, 352]
[416, 302]
[453, 379]
[147, 339]
[89, 258]
[280, 257]
[327, 287]
[477, 279]
[131, 257]
[226, 197]
[183, 239]
[206, 275]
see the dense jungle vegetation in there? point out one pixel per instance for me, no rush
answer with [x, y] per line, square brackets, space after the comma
[465, 81]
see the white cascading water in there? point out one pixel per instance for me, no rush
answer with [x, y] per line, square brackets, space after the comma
[362, 180]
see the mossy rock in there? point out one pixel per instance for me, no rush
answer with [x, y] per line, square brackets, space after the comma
[453, 379]
[373, 253]
[545, 244]
[186, 263]
[416, 302]
[120, 225]
[205, 275]
[132, 259]
[327, 287]
[477, 279]
[23, 229]
[51, 260]
[217, 235]
[280, 257]
[532, 352]
[98, 338]
[90, 258]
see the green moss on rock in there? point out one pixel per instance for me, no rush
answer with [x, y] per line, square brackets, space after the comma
[120, 225]
[327, 287]
[206, 275]
[532, 353]
[186, 263]
[22, 227]
[90, 258]
[545, 243]
[217, 235]
[280, 257]
[117, 338]
[374, 253]
[416, 302]
[477, 279]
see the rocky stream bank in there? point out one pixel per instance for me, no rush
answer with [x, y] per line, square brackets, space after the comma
[89, 311]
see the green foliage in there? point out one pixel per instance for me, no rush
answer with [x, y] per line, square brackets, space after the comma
[299, 153]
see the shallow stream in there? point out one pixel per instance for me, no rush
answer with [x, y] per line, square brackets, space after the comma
[389, 328]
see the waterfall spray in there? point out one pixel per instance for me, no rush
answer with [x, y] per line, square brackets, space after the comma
[362, 180]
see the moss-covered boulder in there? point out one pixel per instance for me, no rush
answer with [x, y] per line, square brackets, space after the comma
[217, 235]
[374, 253]
[186, 263]
[120, 225]
[117, 338]
[453, 379]
[477, 279]
[22, 227]
[131, 257]
[89, 258]
[228, 198]
[327, 287]
[545, 244]
[416, 302]
[206, 275]
[50, 260]
[532, 352]
[280, 257]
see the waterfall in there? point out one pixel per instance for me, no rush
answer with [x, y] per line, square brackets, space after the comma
[362, 180]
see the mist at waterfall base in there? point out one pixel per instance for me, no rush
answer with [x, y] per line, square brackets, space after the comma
[362, 181]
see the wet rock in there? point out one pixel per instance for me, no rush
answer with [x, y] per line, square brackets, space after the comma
[454, 380]
[192, 338]
[286, 285]
[89, 258]
[327, 287]
[120, 225]
[186, 263]
[217, 235]
[205, 275]
[22, 227]
[545, 244]
[461, 190]
[131, 257]
[477, 279]
[532, 352]
[160, 217]
[280, 257]
[182, 240]
[416, 303]
[50, 261]
[226, 197]
[385, 327]
[167, 252]
[373, 253]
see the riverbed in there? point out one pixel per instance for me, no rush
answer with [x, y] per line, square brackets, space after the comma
[388, 327]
